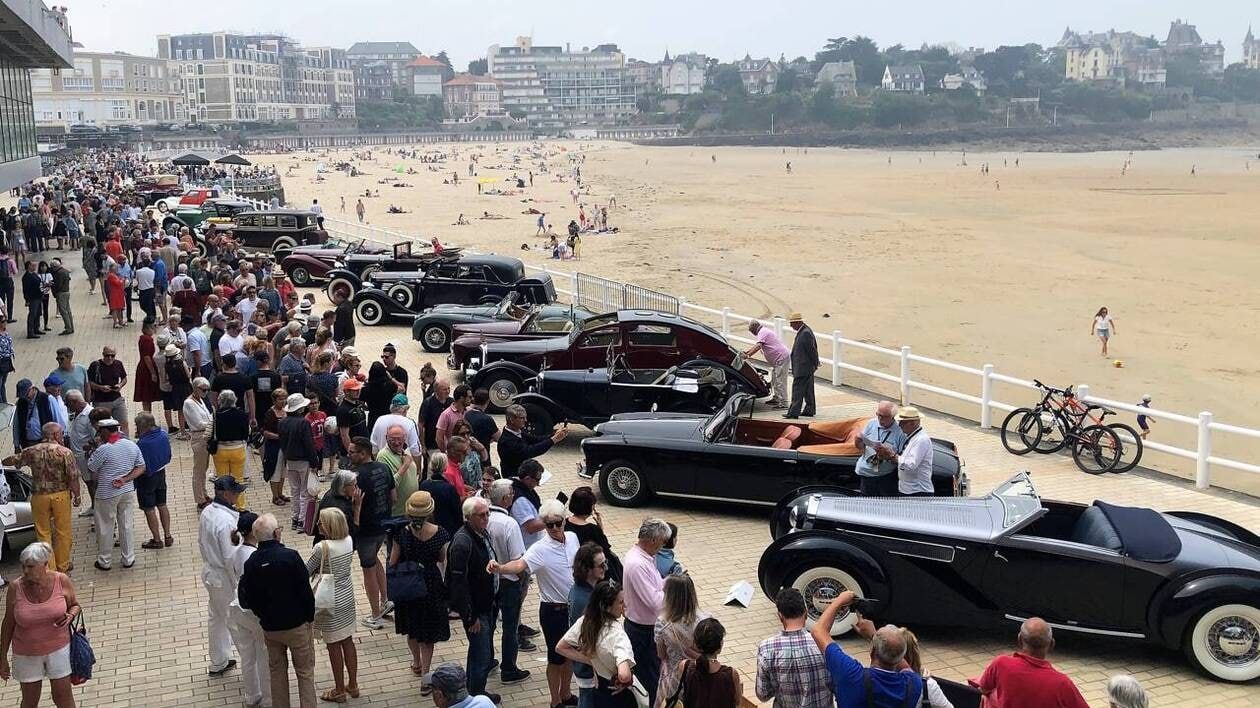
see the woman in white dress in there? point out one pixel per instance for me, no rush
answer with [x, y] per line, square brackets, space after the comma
[334, 555]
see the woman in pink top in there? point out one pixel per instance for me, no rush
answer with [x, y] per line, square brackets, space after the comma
[38, 608]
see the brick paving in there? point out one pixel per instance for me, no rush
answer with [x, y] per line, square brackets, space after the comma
[148, 623]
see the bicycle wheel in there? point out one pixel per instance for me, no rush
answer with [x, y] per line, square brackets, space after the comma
[1130, 447]
[1054, 432]
[1096, 449]
[1021, 431]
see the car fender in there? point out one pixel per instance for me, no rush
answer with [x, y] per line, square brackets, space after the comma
[807, 548]
[559, 413]
[388, 306]
[779, 518]
[345, 273]
[1176, 606]
[524, 373]
[307, 260]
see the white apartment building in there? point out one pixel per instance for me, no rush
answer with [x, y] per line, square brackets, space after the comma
[558, 88]
[684, 74]
[108, 88]
[230, 77]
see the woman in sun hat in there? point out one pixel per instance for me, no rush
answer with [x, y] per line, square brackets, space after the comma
[424, 622]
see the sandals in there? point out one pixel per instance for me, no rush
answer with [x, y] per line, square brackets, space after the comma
[332, 695]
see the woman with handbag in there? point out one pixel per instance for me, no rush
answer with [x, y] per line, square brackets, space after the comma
[38, 610]
[675, 632]
[600, 640]
[6, 358]
[230, 431]
[424, 619]
[330, 561]
[706, 683]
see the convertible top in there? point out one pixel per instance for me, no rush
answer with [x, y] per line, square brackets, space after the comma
[1144, 533]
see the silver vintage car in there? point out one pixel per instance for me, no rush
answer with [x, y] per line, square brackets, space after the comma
[15, 514]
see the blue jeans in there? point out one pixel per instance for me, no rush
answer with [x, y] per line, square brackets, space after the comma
[647, 666]
[480, 654]
[508, 603]
[586, 698]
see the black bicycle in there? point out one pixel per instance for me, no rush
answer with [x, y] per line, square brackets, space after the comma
[1061, 420]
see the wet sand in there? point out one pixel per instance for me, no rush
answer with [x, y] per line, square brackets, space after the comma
[898, 248]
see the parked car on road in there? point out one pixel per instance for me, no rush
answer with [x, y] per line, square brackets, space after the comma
[648, 339]
[278, 230]
[307, 265]
[732, 457]
[15, 515]
[1183, 580]
[506, 319]
[467, 280]
[354, 268]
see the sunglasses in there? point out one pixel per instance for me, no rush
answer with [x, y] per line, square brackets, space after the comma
[107, 356]
[554, 524]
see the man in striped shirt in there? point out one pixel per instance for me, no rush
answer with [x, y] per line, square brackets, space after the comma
[790, 669]
[116, 463]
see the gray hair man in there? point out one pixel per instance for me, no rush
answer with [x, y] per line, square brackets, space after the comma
[1124, 691]
[197, 414]
[472, 589]
[56, 478]
[877, 473]
[516, 445]
[777, 355]
[1026, 677]
[508, 545]
[644, 596]
[79, 438]
[913, 457]
[450, 689]
[889, 685]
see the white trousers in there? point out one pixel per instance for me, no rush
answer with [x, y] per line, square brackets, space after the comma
[779, 383]
[218, 633]
[247, 635]
[297, 474]
[108, 512]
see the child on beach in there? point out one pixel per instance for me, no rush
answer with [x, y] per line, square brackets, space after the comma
[1144, 421]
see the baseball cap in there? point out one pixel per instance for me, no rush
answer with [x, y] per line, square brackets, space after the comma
[227, 483]
[450, 679]
[53, 380]
[351, 384]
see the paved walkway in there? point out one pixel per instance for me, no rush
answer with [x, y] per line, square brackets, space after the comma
[148, 623]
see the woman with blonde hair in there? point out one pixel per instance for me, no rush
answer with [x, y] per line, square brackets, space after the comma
[38, 608]
[935, 697]
[424, 622]
[334, 554]
[675, 631]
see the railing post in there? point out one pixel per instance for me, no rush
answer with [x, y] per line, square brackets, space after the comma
[726, 321]
[986, 397]
[682, 306]
[1203, 470]
[905, 375]
[778, 327]
[573, 287]
[837, 351]
[1082, 392]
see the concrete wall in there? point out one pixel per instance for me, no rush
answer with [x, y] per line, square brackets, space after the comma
[19, 172]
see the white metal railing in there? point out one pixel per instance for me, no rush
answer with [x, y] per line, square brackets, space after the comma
[903, 361]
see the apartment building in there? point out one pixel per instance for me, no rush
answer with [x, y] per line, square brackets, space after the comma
[466, 96]
[556, 87]
[31, 37]
[228, 77]
[380, 69]
[108, 88]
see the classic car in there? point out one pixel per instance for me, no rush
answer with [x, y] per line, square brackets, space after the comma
[506, 319]
[733, 457]
[15, 515]
[350, 272]
[216, 211]
[156, 188]
[593, 396]
[278, 230]
[306, 265]
[649, 340]
[466, 280]
[1179, 579]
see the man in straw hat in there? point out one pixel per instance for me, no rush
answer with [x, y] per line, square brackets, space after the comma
[804, 364]
[913, 457]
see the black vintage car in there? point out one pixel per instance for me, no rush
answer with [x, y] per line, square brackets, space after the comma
[352, 268]
[277, 230]
[732, 457]
[592, 396]
[466, 280]
[1180, 579]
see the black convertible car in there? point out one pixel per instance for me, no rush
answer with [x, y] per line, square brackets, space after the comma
[592, 396]
[1181, 579]
[732, 457]
[467, 280]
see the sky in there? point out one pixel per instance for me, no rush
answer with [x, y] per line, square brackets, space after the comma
[644, 29]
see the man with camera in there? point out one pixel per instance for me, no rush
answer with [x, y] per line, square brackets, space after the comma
[888, 683]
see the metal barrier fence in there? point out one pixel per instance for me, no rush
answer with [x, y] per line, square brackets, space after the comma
[603, 295]
[902, 362]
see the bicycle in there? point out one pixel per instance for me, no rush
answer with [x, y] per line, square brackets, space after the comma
[1057, 421]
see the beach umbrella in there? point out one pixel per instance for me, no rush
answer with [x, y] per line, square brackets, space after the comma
[190, 158]
[487, 180]
[232, 159]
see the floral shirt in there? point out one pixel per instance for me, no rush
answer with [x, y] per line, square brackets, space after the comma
[52, 467]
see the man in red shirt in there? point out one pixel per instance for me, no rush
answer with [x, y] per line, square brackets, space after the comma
[1026, 679]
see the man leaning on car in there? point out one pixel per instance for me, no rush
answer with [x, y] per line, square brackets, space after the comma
[889, 683]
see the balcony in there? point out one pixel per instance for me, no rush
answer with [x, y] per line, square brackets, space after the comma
[33, 36]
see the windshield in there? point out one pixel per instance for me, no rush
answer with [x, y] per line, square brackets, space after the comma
[597, 322]
[1019, 500]
[717, 422]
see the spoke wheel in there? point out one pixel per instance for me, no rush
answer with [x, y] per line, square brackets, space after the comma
[300, 276]
[1225, 642]
[1021, 431]
[1096, 449]
[435, 338]
[1130, 447]
[622, 484]
[820, 585]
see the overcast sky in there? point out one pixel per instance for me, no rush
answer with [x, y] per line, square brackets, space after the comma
[646, 28]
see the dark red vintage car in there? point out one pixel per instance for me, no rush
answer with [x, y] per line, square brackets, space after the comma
[306, 265]
[642, 339]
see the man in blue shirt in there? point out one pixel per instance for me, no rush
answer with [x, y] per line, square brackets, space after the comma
[878, 476]
[155, 448]
[888, 683]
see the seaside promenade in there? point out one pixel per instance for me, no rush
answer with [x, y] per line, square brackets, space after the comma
[148, 624]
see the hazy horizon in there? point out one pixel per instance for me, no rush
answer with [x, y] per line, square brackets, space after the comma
[727, 30]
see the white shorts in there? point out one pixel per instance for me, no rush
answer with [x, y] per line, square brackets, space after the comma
[34, 669]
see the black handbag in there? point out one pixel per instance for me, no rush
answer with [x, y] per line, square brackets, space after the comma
[404, 582]
[212, 443]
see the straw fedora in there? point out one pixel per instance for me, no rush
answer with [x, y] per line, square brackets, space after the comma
[420, 505]
[795, 317]
[907, 413]
[296, 402]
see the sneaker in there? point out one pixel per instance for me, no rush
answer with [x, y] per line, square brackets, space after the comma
[387, 608]
[372, 623]
[494, 697]
[527, 631]
[570, 701]
[508, 676]
[87, 512]
[524, 644]
[219, 672]
[494, 664]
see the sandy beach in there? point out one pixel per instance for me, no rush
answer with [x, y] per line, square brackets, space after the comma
[898, 248]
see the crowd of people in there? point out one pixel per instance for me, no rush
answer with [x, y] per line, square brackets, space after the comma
[260, 386]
